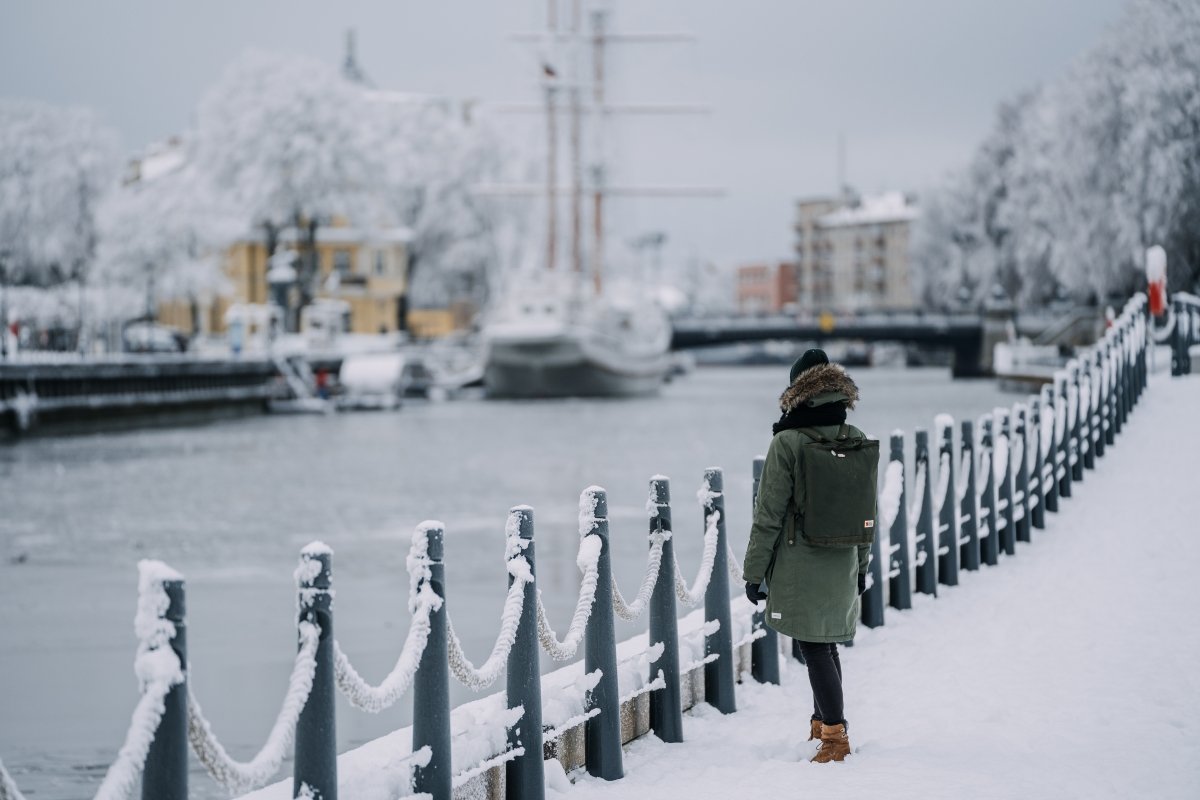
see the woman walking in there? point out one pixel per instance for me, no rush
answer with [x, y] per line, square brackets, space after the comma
[810, 575]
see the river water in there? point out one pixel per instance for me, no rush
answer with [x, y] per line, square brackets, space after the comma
[230, 504]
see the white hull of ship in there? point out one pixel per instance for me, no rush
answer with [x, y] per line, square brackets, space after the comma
[569, 364]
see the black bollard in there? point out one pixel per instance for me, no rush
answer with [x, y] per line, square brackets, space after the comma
[1119, 395]
[165, 776]
[666, 708]
[1065, 446]
[1021, 488]
[947, 539]
[899, 580]
[1110, 407]
[1087, 438]
[989, 537]
[1006, 540]
[524, 776]
[718, 674]
[1037, 496]
[1098, 439]
[764, 652]
[431, 685]
[1050, 456]
[1075, 387]
[602, 733]
[316, 730]
[926, 552]
[968, 515]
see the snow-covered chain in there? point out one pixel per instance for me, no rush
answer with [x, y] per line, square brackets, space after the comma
[589, 564]
[631, 611]
[423, 601]
[694, 595]
[485, 675]
[237, 776]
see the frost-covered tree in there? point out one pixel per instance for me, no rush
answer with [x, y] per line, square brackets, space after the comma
[1080, 177]
[55, 164]
[287, 140]
[163, 235]
[436, 161]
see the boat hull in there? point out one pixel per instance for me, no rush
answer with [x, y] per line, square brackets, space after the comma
[566, 367]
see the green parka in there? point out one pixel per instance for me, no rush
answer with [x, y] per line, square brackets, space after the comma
[812, 592]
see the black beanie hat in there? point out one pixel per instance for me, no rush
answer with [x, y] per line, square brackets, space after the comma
[810, 359]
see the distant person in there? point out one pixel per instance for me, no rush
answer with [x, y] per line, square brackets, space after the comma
[814, 522]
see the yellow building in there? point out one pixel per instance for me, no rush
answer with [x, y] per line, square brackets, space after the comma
[365, 269]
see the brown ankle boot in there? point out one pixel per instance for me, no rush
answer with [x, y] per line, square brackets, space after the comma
[834, 746]
[815, 733]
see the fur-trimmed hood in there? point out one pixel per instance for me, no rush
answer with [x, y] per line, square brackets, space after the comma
[815, 381]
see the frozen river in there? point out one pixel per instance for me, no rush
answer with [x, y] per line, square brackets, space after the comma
[230, 505]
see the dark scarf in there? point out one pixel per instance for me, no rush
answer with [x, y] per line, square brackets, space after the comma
[805, 416]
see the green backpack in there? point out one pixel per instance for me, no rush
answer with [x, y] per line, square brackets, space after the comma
[839, 489]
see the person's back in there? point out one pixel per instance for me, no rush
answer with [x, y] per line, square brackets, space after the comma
[811, 588]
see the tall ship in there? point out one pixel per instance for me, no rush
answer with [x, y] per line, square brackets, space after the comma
[563, 329]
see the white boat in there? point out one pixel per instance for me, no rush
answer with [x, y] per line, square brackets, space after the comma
[545, 346]
[565, 332]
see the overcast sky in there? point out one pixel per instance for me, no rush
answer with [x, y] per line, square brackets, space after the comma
[912, 84]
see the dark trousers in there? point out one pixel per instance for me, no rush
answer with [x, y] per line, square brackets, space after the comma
[825, 677]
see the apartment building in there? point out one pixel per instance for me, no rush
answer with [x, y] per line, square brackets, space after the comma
[852, 253]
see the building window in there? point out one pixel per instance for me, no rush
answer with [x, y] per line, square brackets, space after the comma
[380, 262]
[341, 262]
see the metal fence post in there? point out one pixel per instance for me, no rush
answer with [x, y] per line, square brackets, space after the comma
[989, 541]
[165, 776]
[431, 685]
[1127, 356]
[1088, 454]
[1063, 395]
[899, 576]
[1004, 491]
[1050, 403]
[718, 674]
[764, 652]
[947, 544]
[1021, 490]
[926, 552]
[1075, 387]
[1097, 356]
[1110, 390]
[524, 776]
[872, 598]
[316, 730]
[602, 733]
[666, 707]
[968, 540]
[1036, 502]
[1119, 395]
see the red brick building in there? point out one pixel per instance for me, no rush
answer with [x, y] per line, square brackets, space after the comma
[766, 288]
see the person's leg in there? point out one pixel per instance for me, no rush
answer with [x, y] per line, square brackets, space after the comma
[823, 676]
[837, 661]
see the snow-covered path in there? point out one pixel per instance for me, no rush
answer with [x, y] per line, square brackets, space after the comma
[1070, 670]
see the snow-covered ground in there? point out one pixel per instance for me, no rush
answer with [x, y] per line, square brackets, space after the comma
[1066, 671]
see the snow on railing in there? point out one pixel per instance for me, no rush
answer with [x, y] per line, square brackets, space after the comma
[1022, 461]
[1112, 378]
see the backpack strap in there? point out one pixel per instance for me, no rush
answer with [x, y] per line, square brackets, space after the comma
[842, 434]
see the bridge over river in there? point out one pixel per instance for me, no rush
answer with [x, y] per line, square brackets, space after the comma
[970, 336]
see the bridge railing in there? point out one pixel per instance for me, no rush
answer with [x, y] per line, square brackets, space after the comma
[992, 496]
[1181, 331]
[169, 718]
[1012, 466]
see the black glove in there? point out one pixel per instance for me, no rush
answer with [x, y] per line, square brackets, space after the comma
[862, 582]
[754, 594]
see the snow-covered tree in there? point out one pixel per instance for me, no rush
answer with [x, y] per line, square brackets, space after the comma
[163, 233]
[1080, 177]
[436, 160]
[55, 164]
[287, 140]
